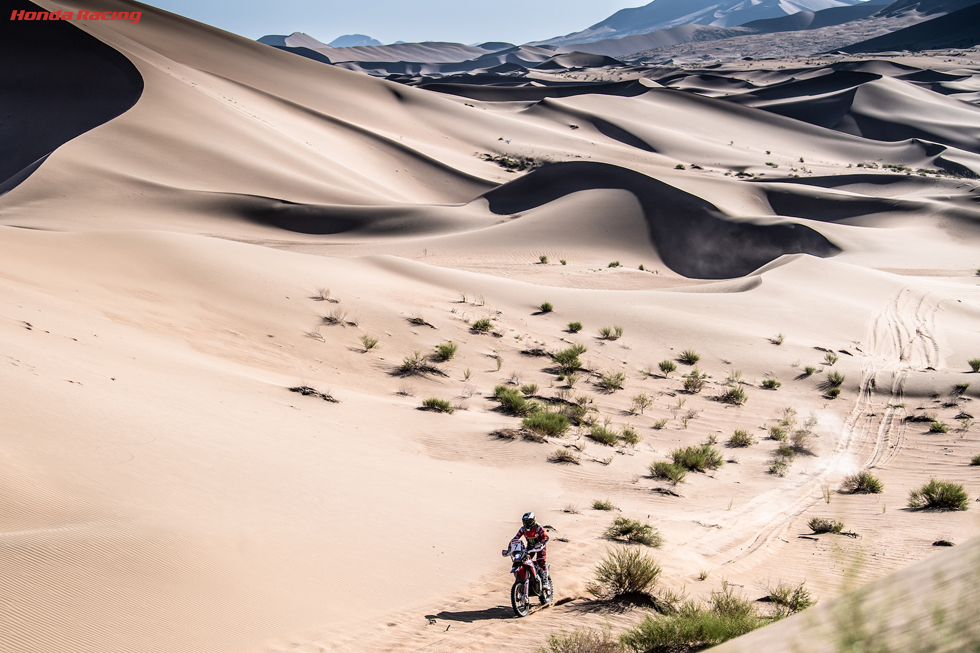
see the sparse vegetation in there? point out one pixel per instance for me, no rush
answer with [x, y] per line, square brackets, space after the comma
[639, 403]
[438, 405]
[821, 525]
[734, 395]
[547, 307]
[830, 358]
[574, 327]
[863, 482]
[789, 599]
[667, 366]
[599, 504]
[833, 393]
[778, 433]
[809, 370]
[446, 350]
[623, 572]
[553, 424]
[633, 531]
[660, 423]
[694, 381]
[611, 381]
[563, 261]
[629, 435]
[513, 163]
[668, 471]
[698, 458]
[835, 379]
[567, 360]
[368, 342]
[564, 456]
[771, 384]
[602, 435]
[483, 325]
[611, 333]
[614, 264]
[975, 362]
[689, 357]
[310, 391]
[529, 390]
[938, 427]
[778, 468]
[582, 640]
[543, 259]
[741, 438]
[975, 461]
[416, 364]
[939, 495]
[512, 401]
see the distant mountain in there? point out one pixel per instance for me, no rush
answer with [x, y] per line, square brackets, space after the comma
[353, 41]
[664, 14]
[959, 29]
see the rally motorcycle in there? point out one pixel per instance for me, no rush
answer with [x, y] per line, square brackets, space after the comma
[527, 581]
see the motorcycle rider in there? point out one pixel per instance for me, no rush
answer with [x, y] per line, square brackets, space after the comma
[537, 539]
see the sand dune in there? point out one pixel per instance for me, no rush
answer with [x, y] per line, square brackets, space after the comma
[171, 270]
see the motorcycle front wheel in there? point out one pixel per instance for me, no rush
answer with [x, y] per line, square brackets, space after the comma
[519, 600]
[547, 594]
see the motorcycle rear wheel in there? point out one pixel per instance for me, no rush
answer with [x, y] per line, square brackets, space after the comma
[547, 594]
[519, 600]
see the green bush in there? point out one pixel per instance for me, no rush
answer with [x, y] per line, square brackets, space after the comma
[567, 360]
[689, 357]
[584, 640]
[563, 456]
[574, 327]
[611, 333]
[809, 370]
[543, 258]
[629, 435]
[633, 531]
[734, 395]
[668, 471]
[529, 390]
[698, 459]
[938, 427]
[599, 504]
[975, 461]
[835, 379]
[612, 381]
[695, 625]
[483, 325]
[778, 468]
[416, 364]
[830, 358]
[821, 525]
[614, 264]
[694, 381]
[667, 366]
[368, 342]
[660, 423]
[446, 350]
[624, 571]
[771, 384]
[547, 307]
[974, 364]
[439, 405]
[553, 424]
[833, 393]
[741, 439]
[602, 435]
[863, 482]
[790, 600]
[514, 402]
[785, 451]
[939, 495]
[778, 433]
[639, 403]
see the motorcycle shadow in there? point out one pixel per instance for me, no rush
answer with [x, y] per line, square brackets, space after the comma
[469, 616]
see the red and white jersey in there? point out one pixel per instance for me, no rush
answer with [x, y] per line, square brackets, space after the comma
[534, 535]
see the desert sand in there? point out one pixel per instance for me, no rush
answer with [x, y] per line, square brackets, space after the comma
[229, 220]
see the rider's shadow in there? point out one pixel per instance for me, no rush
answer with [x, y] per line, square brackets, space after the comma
[469, 616]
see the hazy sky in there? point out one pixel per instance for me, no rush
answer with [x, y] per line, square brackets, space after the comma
[465, 21]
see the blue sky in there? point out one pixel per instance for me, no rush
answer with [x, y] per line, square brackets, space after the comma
[465, 21]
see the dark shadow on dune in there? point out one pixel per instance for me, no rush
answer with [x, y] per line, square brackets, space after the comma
[535, 93]
[692, 236]
[58, 83]
[469, 616]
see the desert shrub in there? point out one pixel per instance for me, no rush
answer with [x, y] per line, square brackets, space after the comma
[563, 261]
[368, 342]
[514, 402]
[778, 433]
[483, 325]
[529, 390]
[547, 307]
[771, 384]
[809, 370]
[543, 258]
[667, 366]
[414, 364]
[602, 435]
[564, 456]
[599, 504]
[863, 482]
[694, 381]
[639, 403]
[975, 461]
[821, 525]
[800, 441]
[633, 531]
[614, 264]
[668, 471]
[584, 640]
[660, 423]
[785, 451]
[698, 458]
[835, 379]
[446, 350]
[694, 625]
[833, 393]
[553, 424]
[574, 327]
[612, 381]
[789, 599]
[939, 495]
[438, 405]
[567, 360]
[680, 166]
[321, 294]
[974, 362]
[778, 468]
[734, 395]
[629, 435]
[938, 427]
[741, 439]
[689, 357]
[611, 333]
[830, 358]
[623, 572]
